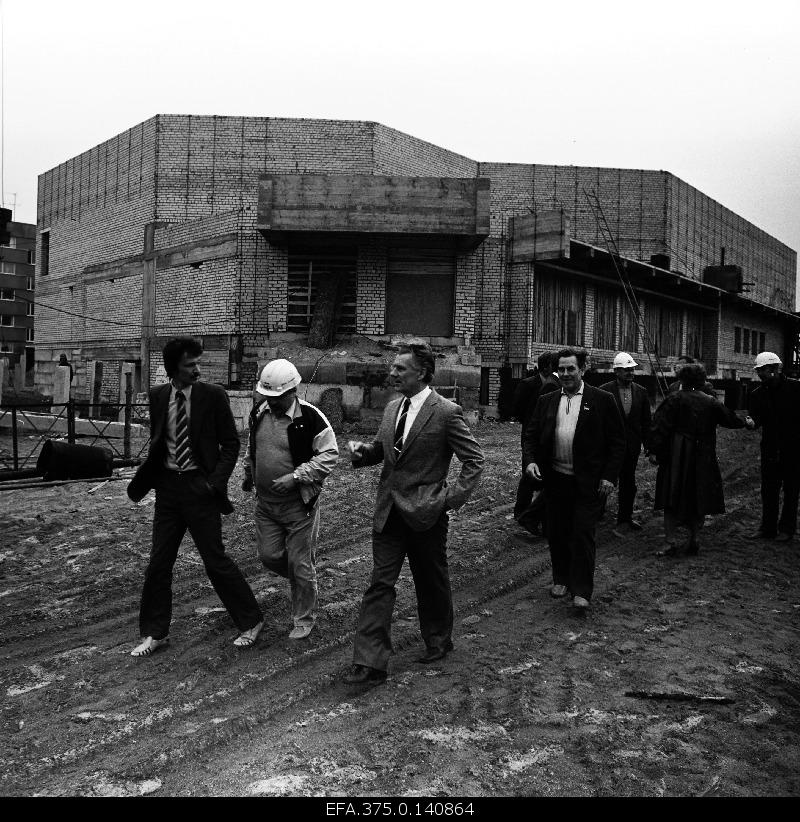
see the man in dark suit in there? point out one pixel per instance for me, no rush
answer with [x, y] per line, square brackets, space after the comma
[193, 450]
[575, 444]
[418, 436]
[531, 515]
[634, 406]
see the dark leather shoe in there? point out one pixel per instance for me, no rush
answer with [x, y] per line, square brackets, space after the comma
[435, 654]
[761, 535]
[783, 537]
[364, 675]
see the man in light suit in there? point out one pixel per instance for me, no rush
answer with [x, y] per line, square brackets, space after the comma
[575, 444]
[417, 438]
[634, 406]
[193, 450]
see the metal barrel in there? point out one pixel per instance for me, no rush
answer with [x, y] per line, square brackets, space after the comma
[63, 460]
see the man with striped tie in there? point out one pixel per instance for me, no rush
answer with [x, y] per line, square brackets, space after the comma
[418, 436]
[193, 450]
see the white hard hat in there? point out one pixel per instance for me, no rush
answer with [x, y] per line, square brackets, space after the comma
[623, 360]
[277, 377]
[767, 358]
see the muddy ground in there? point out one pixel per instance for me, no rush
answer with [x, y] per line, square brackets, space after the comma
[683, 679]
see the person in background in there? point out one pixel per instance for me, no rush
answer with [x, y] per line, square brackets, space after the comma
[683, 446]
[291, 451]
[775, 408]
[634, 406]
[530, 513]
[575, 444]
[684, 359]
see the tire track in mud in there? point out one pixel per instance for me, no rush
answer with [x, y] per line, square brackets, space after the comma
[281, 685]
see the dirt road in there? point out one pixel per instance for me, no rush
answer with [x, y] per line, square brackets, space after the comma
[683, 679]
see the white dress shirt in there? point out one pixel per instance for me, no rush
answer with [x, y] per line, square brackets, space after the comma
[569, 407]
[413, 410]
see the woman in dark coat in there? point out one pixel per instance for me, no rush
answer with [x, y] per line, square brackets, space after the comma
[683, 444]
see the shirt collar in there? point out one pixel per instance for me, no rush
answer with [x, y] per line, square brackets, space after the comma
[578, 393]
[187, 392]
[420, 397]
[293, 412]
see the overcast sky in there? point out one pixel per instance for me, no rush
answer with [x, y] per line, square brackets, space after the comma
[706, 90]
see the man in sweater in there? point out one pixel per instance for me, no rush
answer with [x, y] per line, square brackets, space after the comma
[292, 449]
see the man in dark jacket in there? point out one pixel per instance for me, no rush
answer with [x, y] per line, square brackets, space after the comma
[575, 444]
[634, 406]
[532, 515]
[193, 450]
[775, 407]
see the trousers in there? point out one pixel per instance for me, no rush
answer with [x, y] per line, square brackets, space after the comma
[777, 475]
[286, 533]
[184, 503]
[572, 515]
[427, 558]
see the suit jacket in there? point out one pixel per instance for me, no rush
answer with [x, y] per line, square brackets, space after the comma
[212, 436]
[416, 481]
[637, 421]
[598, 447]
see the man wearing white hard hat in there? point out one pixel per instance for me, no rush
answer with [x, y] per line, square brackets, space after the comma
[775, 408]
[292, 449]
[634, 406]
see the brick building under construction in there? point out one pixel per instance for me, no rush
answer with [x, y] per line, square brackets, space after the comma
[254, 233]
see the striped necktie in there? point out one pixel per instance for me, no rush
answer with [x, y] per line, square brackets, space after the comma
[183, 452]
[400, 427]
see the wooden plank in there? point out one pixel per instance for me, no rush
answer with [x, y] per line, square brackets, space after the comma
[368, 203]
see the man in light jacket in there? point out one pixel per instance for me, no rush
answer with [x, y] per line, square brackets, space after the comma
[291, 450]
[418, 436]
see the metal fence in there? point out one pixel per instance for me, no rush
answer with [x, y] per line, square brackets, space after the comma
[123, 428]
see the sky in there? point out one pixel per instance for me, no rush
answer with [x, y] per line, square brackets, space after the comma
[707, 90]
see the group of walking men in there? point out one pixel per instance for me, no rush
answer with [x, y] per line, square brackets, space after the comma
[577, 442]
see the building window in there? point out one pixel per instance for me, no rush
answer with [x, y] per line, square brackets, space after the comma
[31, 256]
[8, 268]
[762, 341]
[694, 334]
[29, 284]
[559, 315]
[737, 340]
[664, 324]
[44, 258]
[308, 274]
[605, 318]
[420, 291]
[7, 294]
[28, 335]
[754, 345]
[745, 341]
[6, 319]
[30, 309]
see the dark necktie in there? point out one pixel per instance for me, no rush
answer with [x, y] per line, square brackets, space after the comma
[400, 427]
[183, 452]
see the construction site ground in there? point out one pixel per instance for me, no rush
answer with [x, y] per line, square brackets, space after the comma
[682, 680]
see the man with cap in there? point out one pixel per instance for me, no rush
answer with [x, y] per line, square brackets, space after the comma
[775, 408]
[291, 450]
[634, 406]
[418, 436]
[193, 450]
